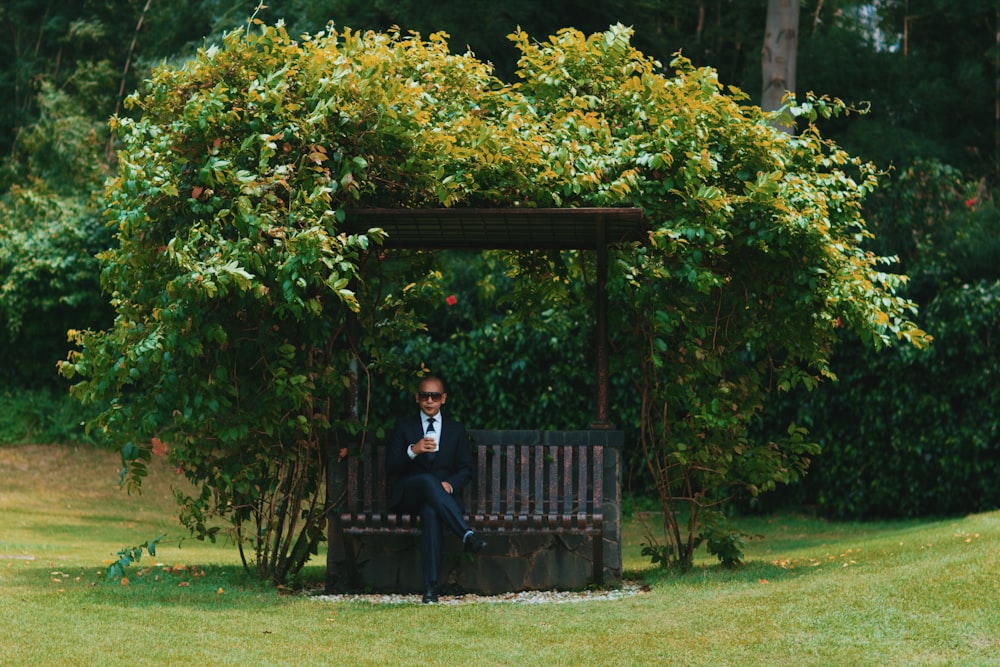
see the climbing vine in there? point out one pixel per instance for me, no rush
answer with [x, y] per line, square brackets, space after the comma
[235, 284]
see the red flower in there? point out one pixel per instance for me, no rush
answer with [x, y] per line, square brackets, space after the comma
[969, 203]
[159, 447]
[451, 300]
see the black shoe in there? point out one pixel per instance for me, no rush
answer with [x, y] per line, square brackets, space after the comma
[474, 544]
[430, 595]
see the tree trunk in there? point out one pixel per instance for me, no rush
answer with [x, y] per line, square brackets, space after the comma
[778, 53]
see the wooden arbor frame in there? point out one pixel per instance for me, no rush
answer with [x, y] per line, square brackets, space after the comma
[518, 229]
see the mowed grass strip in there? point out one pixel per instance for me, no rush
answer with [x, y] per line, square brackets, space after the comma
[812, 593]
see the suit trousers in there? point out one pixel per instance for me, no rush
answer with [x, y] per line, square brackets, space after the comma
[423, 494]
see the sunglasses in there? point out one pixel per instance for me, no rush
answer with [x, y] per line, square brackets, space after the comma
[433, 395]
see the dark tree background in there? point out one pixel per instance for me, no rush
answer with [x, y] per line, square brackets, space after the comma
[926, 68]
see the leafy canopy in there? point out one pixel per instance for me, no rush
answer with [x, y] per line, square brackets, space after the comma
[234, 283]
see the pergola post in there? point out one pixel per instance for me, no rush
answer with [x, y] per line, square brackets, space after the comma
[601, 333]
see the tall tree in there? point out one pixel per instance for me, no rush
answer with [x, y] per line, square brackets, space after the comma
[779, 53]
[925, 69]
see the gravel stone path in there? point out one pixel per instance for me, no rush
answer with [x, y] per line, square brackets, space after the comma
[524, 597]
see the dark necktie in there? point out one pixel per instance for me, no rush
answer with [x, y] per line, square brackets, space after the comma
[430, 429]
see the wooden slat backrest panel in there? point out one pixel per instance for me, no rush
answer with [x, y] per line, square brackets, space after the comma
[514, 487]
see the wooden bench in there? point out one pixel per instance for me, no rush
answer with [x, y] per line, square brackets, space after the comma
[515, 488]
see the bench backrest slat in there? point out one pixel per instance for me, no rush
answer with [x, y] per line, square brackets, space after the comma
[479, 497]
[524, 508]
[539, 486]
[510, 487]
[552, 455]
[351, 498]
[567, 492]
[367, 470]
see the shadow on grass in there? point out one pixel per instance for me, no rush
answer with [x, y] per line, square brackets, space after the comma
[750, 572]
[209, 587]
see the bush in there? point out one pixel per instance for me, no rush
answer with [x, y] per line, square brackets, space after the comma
[50, 232]
[42, 416]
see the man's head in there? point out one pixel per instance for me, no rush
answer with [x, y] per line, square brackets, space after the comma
[431, 395]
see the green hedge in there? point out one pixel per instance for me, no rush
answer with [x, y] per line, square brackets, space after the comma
[904, 432]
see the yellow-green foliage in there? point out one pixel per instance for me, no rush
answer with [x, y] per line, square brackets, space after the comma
[233, 279]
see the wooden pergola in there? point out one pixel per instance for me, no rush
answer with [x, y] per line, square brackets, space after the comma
[518, 229]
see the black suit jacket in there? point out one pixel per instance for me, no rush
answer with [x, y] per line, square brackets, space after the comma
[452, 463]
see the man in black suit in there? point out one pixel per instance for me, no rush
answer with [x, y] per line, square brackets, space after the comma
[429, 462]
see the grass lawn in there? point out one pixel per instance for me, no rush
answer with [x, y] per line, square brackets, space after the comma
[812, 593]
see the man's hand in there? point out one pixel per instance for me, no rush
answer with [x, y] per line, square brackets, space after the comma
[447, 487]
[424, 446]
